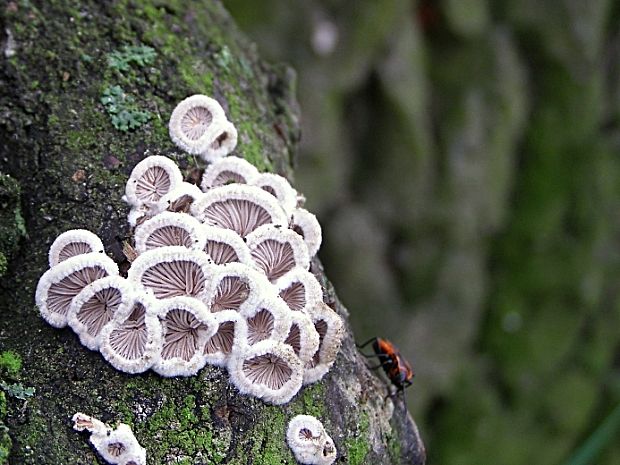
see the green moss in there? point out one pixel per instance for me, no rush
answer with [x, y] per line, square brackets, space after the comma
[358, 445]
[10, 363]
[12, 226]
[268, 438]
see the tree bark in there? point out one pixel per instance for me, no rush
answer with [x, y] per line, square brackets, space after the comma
[66, 152]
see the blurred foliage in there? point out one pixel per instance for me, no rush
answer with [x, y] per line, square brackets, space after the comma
[463, 157]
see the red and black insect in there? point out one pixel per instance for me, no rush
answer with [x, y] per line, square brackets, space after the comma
[397, 369]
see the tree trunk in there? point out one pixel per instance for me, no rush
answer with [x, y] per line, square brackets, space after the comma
[86, 90]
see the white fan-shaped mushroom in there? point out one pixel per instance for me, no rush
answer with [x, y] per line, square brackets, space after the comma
[309, 442]
[269, 369]
[280, 188]
[230, 170]
[151, 179]
[331, 330]
[96, 305]
[71, 243]
[225, 246]
[61, 283]
[271, 319]
[300, 290]
[172, 271]
[276, 251]
[132, 341]
[179, 199]
[187, 325]
[230, 337]
[238, 207]
[307, 226]
[302, 336]
[236, 287]
[196, 122]
[222, 144]
[167, 229]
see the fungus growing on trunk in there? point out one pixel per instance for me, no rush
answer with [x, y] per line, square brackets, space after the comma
[309, 441]
[195, 122]
[271, 319]
[150, 180]
[269, 370]
[166, 229]
[307, 226]
[236, 287]
[96, 305]
[280, 188]
[179, 199]
[71, 243]
[116, 446]
[172, 271]
[302, 336]
[187, 325]
[61, 283]
[238, 207]
[132, 341]
[225, 246]
[230, 170]
[276, 251]
[230, 337]
[331, 330]
[222, 143]
[300, 290]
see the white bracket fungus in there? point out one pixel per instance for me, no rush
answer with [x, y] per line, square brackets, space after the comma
[187, 325]
[238, 207]
[271, 319]
[116, 446]
[269, 370]
[132, 342]
[199, 126]
[236, 287]
[61, 283]
[225, 246]
[309, 441]
[228, 171]
[300, 290]
[230, 338]
[303, 336]
[280, 188]
[172, 271]
[307, 226]
[96, 305]
[179, 199]
[276, 251]
[167, 229]
[71, 243]
[331, 330]
[151, 179]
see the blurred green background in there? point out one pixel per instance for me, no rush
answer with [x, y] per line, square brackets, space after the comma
[463, 159]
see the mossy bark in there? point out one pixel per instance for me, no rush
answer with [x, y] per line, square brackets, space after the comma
[70, 158]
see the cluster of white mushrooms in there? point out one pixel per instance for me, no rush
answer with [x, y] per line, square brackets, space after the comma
[310, 442]
[219, 274]
[117, 446]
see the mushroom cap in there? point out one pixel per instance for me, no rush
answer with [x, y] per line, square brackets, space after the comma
[269, 370]
[224, 141]
[187, 325]
[238, 207]
[119, 446]
[277, 251]
[228, 171]
[61, 283]
[195, 123]
[132, 341]
[82, 422]
[230, 338]
[73, 242]
[168, 228]
[172, 271]
[300, 290]
[151, 179]
[225, 246]
[309, 442]
[331, 331]
[302, 336]
[307, 226]
[280, 188]
[96, 305]
[270, 319]
[179, 199]
[236, 286]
